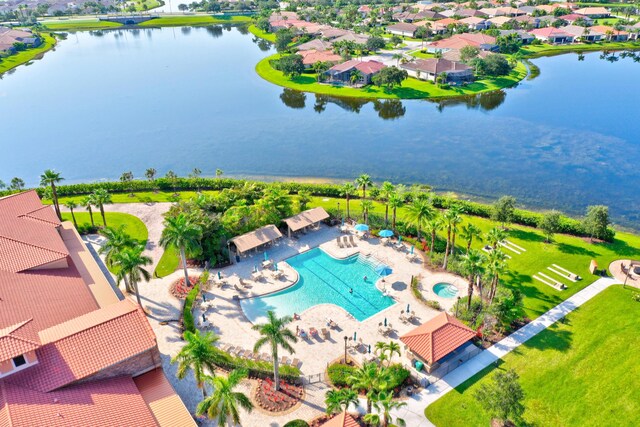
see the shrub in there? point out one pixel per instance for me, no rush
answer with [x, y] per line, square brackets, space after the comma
[256, 368]
[415, 289]
[297, 423]
[87, 229]
[397, 375]
[188, 322]
[338, 374]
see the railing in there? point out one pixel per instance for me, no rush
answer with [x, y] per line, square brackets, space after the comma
[312, 379]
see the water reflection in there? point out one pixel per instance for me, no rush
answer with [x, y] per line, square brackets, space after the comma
[389, 109]
[293, 99]
[484, 101]
[262, 44]
[214, 31]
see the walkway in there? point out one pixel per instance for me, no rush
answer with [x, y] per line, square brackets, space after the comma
[413, 413]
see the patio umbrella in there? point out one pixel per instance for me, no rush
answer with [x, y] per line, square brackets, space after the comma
[204, 319]
[255, 268]
[411, 252]
[361, 227]
[342, 221]
[354, 336]
[385, 322]
[385, 233]
[369, 348]
[408, 308]
[204, 298]
[266, 256]
[383, 270]
[275, 266]
[399, 239]
[219, 276]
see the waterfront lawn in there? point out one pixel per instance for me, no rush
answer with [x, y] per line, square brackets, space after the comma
[25, 56]
[550, 50]
[410, 89]
[133, 225]
[259, 33]
[168, 263]
[79, 25]
[579, 372]
[140, 197]
[177, 21]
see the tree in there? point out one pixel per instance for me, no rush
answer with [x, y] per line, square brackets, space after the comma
[263, 24]
[434, 225]
[172, 177]
[503, 210]
[71, 205]
[370, 378]
[198, 354]
[150, 174]
[87, 203]
[362, 182]
[451, 218]
[395, 40]
[183, 7]
[469, 233]
[320, 67]
[291, 65]
[396, 201]
[496, 65]
[418, 213]
[509, 44]
[181, 233]
[472, 264]
[503, 398]
[16, 184]
[596, 223]
[51, 178]
[284, 37]
[275, 333]
[456, 220]
[129, 263]
[508, 307]
[496, 267]
[355, 76]
[102, 197]
[384, 403]
[219, 173]
[375, 43]
[494, 236]
[549, 223]
[304, 197]
[422, 33]
[2, 185]
[386, 190]
[467, 53]
[117, 241]
[441, 79]
[127, 179]
[389, 77]
[366, 206]
[387, 350]
[224, 402]
[348, 190]
[340, 400]
[397, 57]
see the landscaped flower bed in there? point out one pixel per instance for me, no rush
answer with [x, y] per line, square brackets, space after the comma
[178, 288]
[277, 401]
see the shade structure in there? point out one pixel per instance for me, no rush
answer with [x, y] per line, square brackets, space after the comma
[385, 322]
[355, 335]
[408, 306]
[276, 266]
[361, 227]
[306, 218]
[266, 256]
[219, 276]
[399, 239]
[256, 238]
[383, 270]
[385, 233]
[412, 250]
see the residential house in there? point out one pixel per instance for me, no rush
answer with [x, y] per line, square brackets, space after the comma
[353, 37]
[525, 37]
[331, 33]
[431, 68]
[594, 12]
[442, 25]
[402, 29]
[553, 35]
[573, 17]
[454, 55]
[72, 351]
[458, 41]
[583, 34]
[527, 10]
[499, 21]
[9, 36]
[341, 73]
[467, 13]
[315, 44]
[611, 33]
[282, 16]
[475, 24]
[310, 57]
[492, 12]
[510, 11]
[527, 21]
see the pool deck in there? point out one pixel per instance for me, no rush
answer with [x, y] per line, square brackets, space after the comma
[230, 323]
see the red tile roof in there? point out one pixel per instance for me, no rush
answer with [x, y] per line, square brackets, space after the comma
[367, 67]
[107, 403]
[18, 339]
[458, 41]
[341, 420]
[438, 337]
[162, 399]
[310, 57]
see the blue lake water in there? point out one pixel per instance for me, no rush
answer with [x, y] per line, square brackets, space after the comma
[178, 98]
[324, 280]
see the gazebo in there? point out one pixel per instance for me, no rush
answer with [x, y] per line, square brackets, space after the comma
[255, 239]
[435, 339]
[305, 219]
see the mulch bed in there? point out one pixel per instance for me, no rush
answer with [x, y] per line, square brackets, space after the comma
[277, 401]
[178, 288]
[495, 337]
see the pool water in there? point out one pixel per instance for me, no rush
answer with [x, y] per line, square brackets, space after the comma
[324, 280]
[445, 290]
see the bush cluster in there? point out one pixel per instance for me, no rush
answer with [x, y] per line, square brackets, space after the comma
[338, 374]
[256, 368]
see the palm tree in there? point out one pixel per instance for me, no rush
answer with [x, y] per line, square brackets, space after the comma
[340, 400]
[495, 236]
[87, 203]
[384, 404]
[456, 219]
[396, 200]
[276, 334]
[434, 225]
[370, 378]
[219, 173]
[473, 265]
[181, 233]
[355, 76]
[387, 350]
[397, 57]
[348, 190]
[363, 181]
[224, 403]
[450, 218]
[419, 212]
[366, 206]
[496, 267]
[71, 205]
[102, 197]
[386, 190]
[117, 240]
[198, 354]
[470, 232]
[51, 178]
[129, 263]
[304, 197]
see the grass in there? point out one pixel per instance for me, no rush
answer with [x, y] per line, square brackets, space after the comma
[168, 263]
[177, 21]
[79, 25]
[533, 51]
[263, 35]
[25, 56]
[580, 372]
[151, 4]
[133, 225]
[410, 89]
[140, 197]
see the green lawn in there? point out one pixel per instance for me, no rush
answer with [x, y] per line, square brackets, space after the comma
[181, 20]
[140, 197]
[581, 372]
[410, 89]
[168, 263]
[550, 50]
[151, 4]
[259, 33]
[133, 225]
[20, 58]
[79, 25]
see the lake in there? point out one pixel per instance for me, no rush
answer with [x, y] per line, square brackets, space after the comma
[178, 98]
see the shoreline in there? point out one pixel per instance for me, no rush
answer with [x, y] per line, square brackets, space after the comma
[11, 62]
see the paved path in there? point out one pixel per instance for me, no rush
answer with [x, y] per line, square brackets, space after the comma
[413, 413]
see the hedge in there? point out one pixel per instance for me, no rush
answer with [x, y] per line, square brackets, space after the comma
[188, 322]
[338, 374]
[297, 423]
[257, 369]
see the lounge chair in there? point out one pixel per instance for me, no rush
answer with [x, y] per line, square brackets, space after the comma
[244, 284]
[325, 333]
[339, 242]
[265, 357]
[285, 360]
[295, 363]
[313, 332]
[242, 291]
[353, 243]
[346, 242]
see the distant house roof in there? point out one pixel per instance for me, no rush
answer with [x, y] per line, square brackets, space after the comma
[332, 33]
[593, 11]
[443, 23]
[471, 13]
[341, 420]
[578, 31]
[310, 57]
[402, 27]
[353, 37]
[315, 44]
[18, 339]
[435, 66]
[458, 41]
[604, 29]
[438, 337]
[256, 238]
[499, 21]
[521, 33]
[9, 36]
[473, 20]
[550, 32]
[454, 55]
[366, 67]
[306, 218]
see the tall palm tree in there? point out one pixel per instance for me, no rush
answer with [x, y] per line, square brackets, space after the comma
[181, 233]
[496, 267]
[87, 203]
[129, 263]
[275, 333]
[450, 218]
[356, 75]
[71, 205]
[102, 197]
[340, 400]
[434, 225]
[348, 190]
[117, 240]
[473, 266]
[366, 206]
[387, 350]
[386, 190]
[362, 182]
[384, 404]
[419, 212]
[495, 236]
[224, 403]
[198, 354]
[397, 57]
[469, 233]
[456, 219]
[51, 178]
[396, 200]
[369, 378]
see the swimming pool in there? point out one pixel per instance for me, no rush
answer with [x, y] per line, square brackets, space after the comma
[445, 290]
[324, 280]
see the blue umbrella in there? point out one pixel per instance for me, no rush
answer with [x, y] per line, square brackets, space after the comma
[342, 221]
[255, 268]
[411, 250]
[276, 266]
[219, 276]
[383, 270]
[385, 322]
[369, 348]
[361, 227]
[385, 233]
[266, 256]
[399, 239]
[354, 336]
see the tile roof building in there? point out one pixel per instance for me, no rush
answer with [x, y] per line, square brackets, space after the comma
[64, 359]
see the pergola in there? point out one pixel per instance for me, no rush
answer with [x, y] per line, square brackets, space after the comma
[305, 219]
[256, 238]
